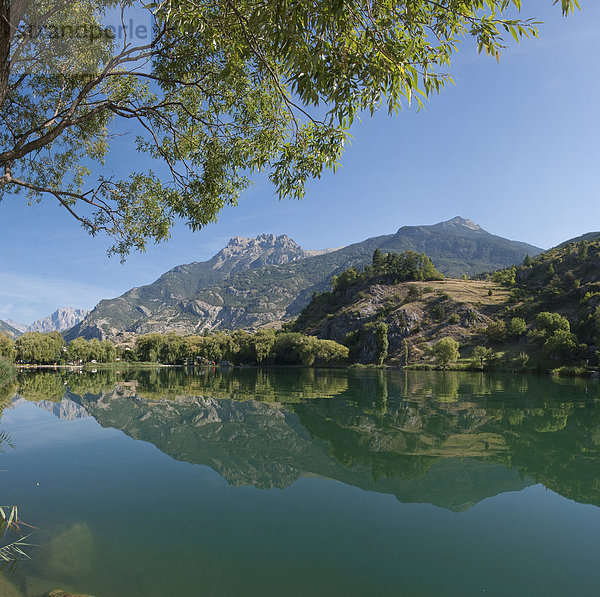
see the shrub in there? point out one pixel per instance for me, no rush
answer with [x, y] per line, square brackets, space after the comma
[439, 312]
[521, 361]
[571, 372]
[560, 345]
[517, 327]
[548, 323]
[496, 332]
[414, 293]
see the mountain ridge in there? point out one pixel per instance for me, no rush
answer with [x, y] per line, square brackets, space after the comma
[8, 329]
[61, 320]
[251, 283]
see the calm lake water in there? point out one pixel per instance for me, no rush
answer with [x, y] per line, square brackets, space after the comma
[304, 483]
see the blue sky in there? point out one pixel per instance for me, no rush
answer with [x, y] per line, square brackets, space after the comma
[514, 147]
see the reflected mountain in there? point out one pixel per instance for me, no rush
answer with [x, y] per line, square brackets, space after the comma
[65, 410]
[447, 439]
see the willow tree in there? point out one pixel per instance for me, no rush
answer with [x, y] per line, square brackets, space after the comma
[224, 89]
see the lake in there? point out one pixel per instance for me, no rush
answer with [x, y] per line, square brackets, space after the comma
[299, 482]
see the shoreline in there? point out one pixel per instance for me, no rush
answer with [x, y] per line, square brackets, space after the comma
[587, 373]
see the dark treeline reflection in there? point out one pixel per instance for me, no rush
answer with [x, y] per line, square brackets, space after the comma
[450, 438]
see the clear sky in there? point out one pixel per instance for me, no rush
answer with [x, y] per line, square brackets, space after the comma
[513, 147]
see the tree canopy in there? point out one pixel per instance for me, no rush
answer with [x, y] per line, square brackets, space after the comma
[223, 90]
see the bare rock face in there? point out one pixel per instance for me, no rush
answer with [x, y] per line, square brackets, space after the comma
[65, 410]
[17, 326]
[265, 249]
[462, 222]
[61, 320]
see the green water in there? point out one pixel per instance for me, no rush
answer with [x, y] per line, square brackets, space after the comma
[300, 482]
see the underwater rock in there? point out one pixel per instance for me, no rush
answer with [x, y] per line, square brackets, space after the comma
[8, 589]
[70, 554]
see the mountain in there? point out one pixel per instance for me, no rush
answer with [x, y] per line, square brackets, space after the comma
[255, 282]
[10, 330]
[61, 320]
[125, 313]
[416, 314]
[65, 410]
[589, 236]
[18, 326]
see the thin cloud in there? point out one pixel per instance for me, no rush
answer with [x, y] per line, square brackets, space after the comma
[25, 298]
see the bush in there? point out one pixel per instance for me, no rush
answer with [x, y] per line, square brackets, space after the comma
[560, 345]
[496, 332]
[439, 312]
[517, 327]
[521, 361]
[571, 372]
[548, 323]
[414, 294]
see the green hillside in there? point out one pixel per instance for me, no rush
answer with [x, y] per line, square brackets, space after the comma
[564, 280]
[547, 309]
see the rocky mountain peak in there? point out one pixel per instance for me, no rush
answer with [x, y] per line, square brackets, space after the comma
[265, 249]
[18, 326]
[262, 240]
[62, 319]
[458, 221]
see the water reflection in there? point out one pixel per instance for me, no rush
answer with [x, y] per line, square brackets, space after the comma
[449, 439]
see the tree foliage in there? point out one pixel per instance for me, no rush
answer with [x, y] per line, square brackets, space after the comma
[445, 351]
[516, 327]
[225, 89]
[389, 268]
[381, 342]
[548, 323]
[85, 351]
[38, 348]
[7, 347]
[496, 332]
[561, 344]
[264, 346]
